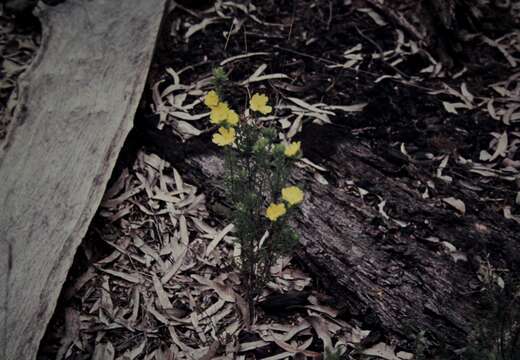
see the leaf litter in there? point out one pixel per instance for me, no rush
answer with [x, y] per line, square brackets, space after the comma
[18, 47]
[169, 285]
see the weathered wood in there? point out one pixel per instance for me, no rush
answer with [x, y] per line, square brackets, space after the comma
[385, 276]
[77, 105]
[389, 276]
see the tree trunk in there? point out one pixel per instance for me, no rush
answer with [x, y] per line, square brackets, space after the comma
[75, 108]
[391, 269]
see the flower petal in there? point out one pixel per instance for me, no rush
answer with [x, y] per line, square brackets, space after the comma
[211, 99]
[232, 118]
[259, 103]
[292, 149]
[292, 194]
[224, 136]
[219, 113]
[274, 211]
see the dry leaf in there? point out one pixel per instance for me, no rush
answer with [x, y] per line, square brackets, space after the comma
[347, 108]
[243, 56]
[309, 107]
[104, 351]
[452, 107]
[200, 26]
[403, 355]
[293, 349]
[373, 15]
[456, 203]
[321, 331]
[133, 278]
[248, 346]
[441, 168]
[501, 147]
[381, 350]
[161, 294]
[218, 237]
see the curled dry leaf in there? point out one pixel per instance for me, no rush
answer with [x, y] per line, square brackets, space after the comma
[200, 26]
[381, 350]
[373, 15]
[452, 107]
[456, 203]
[243, 56]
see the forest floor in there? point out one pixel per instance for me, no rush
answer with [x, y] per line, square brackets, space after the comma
[19, 41]
[155, 278]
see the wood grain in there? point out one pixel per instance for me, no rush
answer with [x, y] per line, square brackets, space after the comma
[76, 108]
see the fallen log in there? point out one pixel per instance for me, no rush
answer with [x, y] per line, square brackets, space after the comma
[390, 268]
[76, 107]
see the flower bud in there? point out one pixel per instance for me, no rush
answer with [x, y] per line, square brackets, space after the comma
[269, 133]
[260, 145]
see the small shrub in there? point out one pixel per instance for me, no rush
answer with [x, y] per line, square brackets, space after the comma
[257, 169]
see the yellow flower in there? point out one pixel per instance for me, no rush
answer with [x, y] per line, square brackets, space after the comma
[292, 149]
[211, 99]
[274, 211]
[219, 113]
[224, 136]
[232, 118]
[292, 194]
[259, 103]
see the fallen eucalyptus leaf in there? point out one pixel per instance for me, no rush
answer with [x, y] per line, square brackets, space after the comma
[456, 203]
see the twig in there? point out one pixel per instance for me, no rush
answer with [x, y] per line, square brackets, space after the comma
[228, 35]
[329, 20]
[398, 19]
[403, 81]
[381, 53]
[245, 39]
[327, 61]
[191, 12]
[292, 20]
[192, 67]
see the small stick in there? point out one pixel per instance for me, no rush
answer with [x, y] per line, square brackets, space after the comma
[398, 19]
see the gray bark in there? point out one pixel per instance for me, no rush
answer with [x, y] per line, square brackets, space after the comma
[76, 106]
